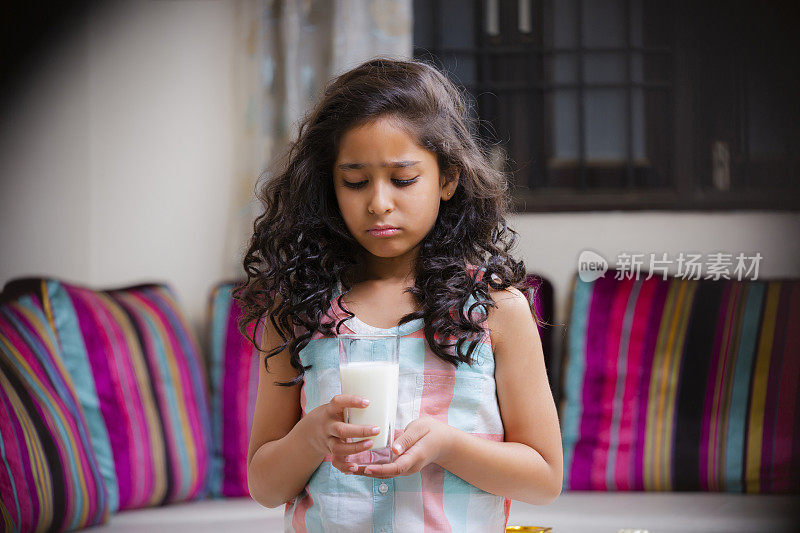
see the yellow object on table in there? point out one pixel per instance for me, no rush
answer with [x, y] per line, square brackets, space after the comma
[530, 529]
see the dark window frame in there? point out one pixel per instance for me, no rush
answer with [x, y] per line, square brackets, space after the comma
[690, 168]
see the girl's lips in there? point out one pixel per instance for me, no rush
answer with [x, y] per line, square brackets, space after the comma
[383, 232]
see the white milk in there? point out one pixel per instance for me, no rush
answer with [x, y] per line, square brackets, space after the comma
[376, 381]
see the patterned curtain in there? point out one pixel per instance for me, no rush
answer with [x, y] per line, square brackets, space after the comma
[286, 50]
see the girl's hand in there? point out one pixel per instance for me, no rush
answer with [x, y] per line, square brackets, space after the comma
[423, 442]
[328, 431]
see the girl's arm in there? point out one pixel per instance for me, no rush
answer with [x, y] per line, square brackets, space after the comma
[528, 465]
[279, 461]
[285, 449]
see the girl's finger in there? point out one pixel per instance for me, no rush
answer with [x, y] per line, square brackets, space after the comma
[341, 401]
[401, 465]
[337, 447]
[348, 467]
[357, 469]
[343, 467]
[345, 431]
[409, 437]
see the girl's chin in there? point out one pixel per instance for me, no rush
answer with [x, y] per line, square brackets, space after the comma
[388, 251]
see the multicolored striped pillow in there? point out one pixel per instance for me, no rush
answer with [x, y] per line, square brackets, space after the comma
[683, 385]
[146, 369]
[50, 478]
[150, 379]
[233, 378]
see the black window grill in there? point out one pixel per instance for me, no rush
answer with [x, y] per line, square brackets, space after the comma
[603, 104]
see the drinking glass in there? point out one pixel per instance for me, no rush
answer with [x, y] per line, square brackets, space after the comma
[369, 367]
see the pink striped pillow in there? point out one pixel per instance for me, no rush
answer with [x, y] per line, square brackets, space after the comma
[148, 375]
[50, 478]
[152, 387]
[233, 379]
[683, 385]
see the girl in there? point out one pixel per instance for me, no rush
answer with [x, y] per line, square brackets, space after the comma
[388, 217]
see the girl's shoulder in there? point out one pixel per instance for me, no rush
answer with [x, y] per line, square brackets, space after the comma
[510, 317]
[511, 310]
[477, 273]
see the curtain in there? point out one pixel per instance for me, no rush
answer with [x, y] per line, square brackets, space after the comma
[285, 52]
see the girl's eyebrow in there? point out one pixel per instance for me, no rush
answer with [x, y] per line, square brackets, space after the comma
[393, 164]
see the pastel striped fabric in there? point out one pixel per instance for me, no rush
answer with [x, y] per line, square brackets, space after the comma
[145, 366]
[683, 385]
[432, 500]
[233, 380]
[50, 479]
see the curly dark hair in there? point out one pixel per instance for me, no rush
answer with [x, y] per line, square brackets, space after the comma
[301, 248]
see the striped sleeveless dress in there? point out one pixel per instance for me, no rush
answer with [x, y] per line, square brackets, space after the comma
[432, 500]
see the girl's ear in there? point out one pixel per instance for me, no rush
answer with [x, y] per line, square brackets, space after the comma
[450, 181]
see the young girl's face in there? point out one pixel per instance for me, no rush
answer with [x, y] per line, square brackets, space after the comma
[383, 178]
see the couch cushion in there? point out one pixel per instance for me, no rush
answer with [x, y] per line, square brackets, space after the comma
[679, 385]
[50, 478]
[660, 512]
[231, 515]
[233, 379]
[572, 512]
[148, 375]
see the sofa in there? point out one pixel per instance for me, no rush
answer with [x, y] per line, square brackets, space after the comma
[678, 401]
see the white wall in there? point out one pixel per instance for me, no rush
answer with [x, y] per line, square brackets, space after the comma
[116, 161]
[45, 182]
[116, 167]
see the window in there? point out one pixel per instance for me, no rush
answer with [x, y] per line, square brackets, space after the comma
[628, 104]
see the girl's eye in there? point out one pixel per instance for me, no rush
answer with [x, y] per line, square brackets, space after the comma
[405, 183]
[360, 184]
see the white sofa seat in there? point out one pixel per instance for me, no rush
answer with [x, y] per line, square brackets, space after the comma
[662, 512]
[572, 512]
[229, 515]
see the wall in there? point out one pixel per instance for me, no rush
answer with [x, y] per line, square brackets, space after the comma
[116, 158]
[45, 180]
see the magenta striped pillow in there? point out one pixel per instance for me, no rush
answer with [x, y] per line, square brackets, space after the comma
[233, 379]
[49, 476]
[151, 381]
[148, 374]
[683, 385]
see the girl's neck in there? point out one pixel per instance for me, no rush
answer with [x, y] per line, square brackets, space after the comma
[386, 271]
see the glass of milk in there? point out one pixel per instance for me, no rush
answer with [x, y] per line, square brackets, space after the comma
[369, 367]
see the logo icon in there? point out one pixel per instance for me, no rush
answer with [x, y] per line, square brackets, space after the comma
[591, 266]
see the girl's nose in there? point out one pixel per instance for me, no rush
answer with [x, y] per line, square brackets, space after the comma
[381, 199]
